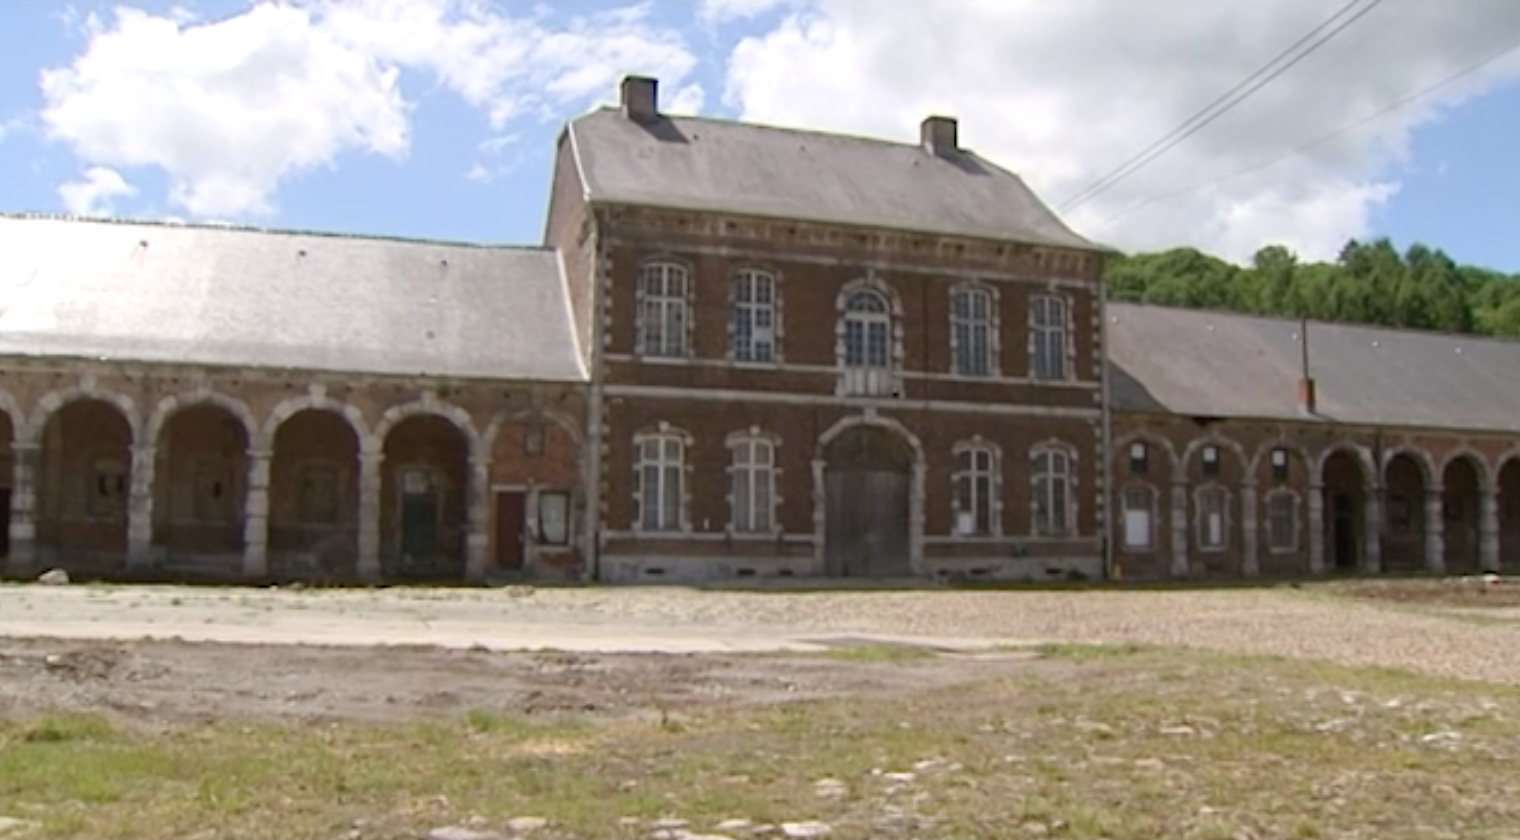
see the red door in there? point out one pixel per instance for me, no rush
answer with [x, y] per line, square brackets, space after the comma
[511, 530]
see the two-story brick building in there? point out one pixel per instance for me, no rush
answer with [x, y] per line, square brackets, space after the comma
[742, 351]
[815, 354]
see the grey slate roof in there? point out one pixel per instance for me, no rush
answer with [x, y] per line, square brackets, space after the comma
[1213, 364]
[722, 166]
[235, 297]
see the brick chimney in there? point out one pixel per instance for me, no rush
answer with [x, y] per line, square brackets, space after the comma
[939, 135]
[641, 98]
[1307, 393]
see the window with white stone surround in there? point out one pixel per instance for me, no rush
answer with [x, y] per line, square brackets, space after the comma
[1282, 520]
[1049, 325]
[974, 500]
[754, 316]
[867, 351]
[973, 331]
[1050, 487]
[1211, 506]
[661, 468]
[752, 483]
[663, 309]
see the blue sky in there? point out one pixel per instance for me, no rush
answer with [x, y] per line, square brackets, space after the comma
[457, 143]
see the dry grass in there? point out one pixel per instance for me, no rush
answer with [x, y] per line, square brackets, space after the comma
[1088, 742]
[1472, 592]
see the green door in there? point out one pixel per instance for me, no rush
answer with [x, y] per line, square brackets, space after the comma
[419, 524]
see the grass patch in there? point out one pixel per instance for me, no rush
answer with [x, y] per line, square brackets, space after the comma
[880, 652]
[1084, 651]
[1092, 741]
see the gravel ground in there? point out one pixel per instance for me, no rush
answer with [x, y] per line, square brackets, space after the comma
[1302, 623]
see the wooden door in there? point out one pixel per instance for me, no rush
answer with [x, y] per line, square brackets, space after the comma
[419, 524]
[511, 529]
[866, 524]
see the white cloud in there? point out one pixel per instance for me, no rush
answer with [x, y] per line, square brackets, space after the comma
[1065, 92]
[687, 102]
[92, 195]
[229, 110]
[728, 11]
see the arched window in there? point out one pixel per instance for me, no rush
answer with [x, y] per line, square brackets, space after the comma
[975, 490]
[662, 481]
[1211, 503]
[867, 344]
[972, 331]
[752, 476]
[754, 326]
[662, 292]
[1282, 520]
[1050, 476]
[1137, 504]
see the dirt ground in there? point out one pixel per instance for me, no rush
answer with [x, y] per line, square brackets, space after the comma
[177, 682]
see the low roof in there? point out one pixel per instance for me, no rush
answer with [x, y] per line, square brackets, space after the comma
[1214, 364]
[160, 292]
[721, 166]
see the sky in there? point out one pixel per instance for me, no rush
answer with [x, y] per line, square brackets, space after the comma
[437, 118]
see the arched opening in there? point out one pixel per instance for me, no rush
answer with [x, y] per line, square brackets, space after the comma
[424, 514]
[1215, 473]
[1461, 503]
[1283, 538]
[1404, 515]
[200, 482]
[7, 471]
[314, 496]
[1344, 506]
[1509, 515]
[84, 480]
[868, 504]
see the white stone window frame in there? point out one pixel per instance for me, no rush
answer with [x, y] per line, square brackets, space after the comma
[778, 332]
[1200, 525]
[993, 324]
[1036, 330]
[1295, 506]
[1152, 499]
[754, 435]
[1069, 452]
[994, 480]
[662, 432]
[870, 283]
[686, 300]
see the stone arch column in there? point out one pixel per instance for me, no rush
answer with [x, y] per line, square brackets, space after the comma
[22, 532]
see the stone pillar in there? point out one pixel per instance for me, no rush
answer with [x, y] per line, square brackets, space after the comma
[140, 507]
[1250, 531]
[1488, 530]
[478, 517]
[1316, 528]
[1435, 530]
[1179, 529]
[23, 530]
[256, 516]
[1372, 554]
[370, 465]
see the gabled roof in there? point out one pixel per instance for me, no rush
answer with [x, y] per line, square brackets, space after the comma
[745, 169]
[156, 292]
[1214, 364]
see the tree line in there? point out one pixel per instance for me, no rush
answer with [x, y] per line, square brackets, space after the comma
[1368, 283]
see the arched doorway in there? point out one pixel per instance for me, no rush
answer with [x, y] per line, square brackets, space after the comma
[868, 476]
[1509, 515]
[83, 485]
[1404, 515]
[314, 495]
[200, 483]
[424, 516]
[1345, 490]
[1461, 508]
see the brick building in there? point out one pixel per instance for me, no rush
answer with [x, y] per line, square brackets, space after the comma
[742, 351]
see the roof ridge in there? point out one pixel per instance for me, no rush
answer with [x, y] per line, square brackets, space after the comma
[271, 231]
[1321, 322]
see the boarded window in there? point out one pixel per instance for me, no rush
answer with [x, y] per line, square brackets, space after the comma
[1137, 503]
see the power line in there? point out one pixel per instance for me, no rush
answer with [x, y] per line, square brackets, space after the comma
[1325, 138]
[1226, 101]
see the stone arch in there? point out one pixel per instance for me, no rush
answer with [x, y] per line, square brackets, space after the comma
[503, 418]
[1480, 465]
[317, 402]
[1151, 439]
[461, 419]
[169, 405]
[1420, 457]
[12, 410]
[872, 282]
[1348, 539]
[840, 547]
[1466, 496]
[1370, 472]
[1214, 439]
[53, 401]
